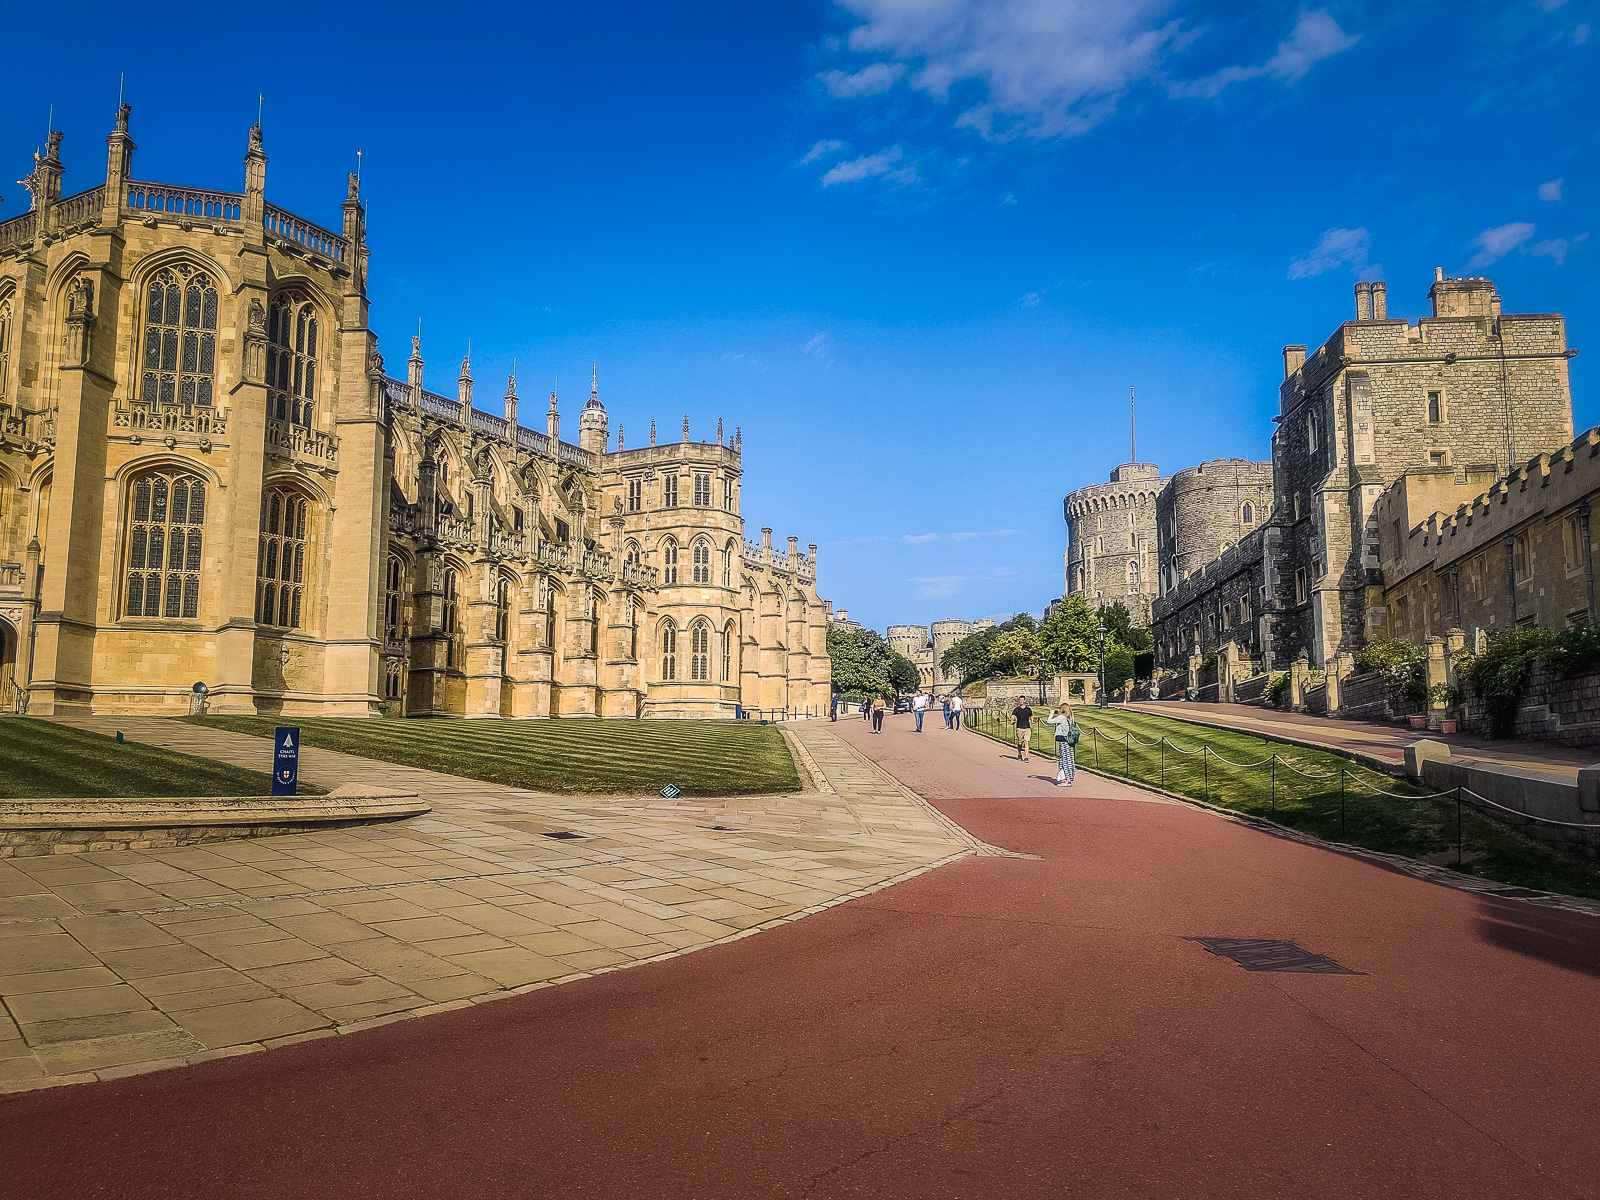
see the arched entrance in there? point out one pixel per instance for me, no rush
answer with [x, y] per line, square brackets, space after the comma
[8, 665]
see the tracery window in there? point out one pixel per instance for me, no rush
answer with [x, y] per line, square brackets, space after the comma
[727, 565]
[5, 346]
[669, 561]
[292, 359]
[282, 567]
[669, 650]
[502, 609]
[592, 633]
[702, 561]
[699, 651]
[630, 553]
[1249, 513]
[635, 495]
[393, 582]
[165, 539]
[729, 639]
[669, 491]
[450, 614]
[394, 677]
[180, 338]
[702, 491]
[727, 495]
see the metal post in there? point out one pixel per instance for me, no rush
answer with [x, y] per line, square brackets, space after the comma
[1458, 826]
[1205, 765]
[1341, 801]
[1094, 732]
[1274, 786]
[1163, 762]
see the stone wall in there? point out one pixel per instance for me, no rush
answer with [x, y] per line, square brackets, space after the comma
[1205, 509]
[1111, 539]
[1565, 711]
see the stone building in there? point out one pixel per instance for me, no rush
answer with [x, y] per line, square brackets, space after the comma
[207, 476]
[1203, 510]
[1469, 389]
[925, 646]
[1111, 539]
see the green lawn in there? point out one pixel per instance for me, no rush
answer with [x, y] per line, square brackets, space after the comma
[1301, 788]
[704, 758]
[42, 759]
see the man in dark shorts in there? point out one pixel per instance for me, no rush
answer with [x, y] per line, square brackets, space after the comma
[1022, 718]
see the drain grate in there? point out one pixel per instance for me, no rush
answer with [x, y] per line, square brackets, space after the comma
[1254, 954]
[563, 835]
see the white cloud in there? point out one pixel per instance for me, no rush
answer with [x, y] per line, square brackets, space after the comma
[1580, 35]
[823, 149]
[868, 81]
[1048, 68]
[919, 539]
[869, 165]
[1555, 249]
[819, 348]
[1494, 244]
[1551, 190]
[1336, 248]
[1316, 36]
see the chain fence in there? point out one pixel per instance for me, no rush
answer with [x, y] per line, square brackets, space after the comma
[1349, 800]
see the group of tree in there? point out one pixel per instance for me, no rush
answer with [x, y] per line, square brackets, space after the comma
[866, 665]
[1067, 640]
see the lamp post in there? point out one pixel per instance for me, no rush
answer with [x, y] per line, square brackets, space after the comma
[1100, 629]
[1042, 664]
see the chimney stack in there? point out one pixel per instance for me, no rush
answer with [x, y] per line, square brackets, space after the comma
[1293, 358]
[1380, 301]
[1363, 302]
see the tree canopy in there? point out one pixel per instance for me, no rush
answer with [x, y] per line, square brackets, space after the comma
[865, 665]
[1066, 641]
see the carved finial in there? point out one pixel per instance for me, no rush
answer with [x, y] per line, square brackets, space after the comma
[416, 348]
[738, 437]
[619, 437]
[686, 427]
[719, 431]
[122, 118]
[511, 381]
[466, 364]
[652, 431]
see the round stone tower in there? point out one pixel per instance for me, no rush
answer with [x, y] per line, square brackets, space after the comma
[1111, 539]
[908, 639]
[945, 635]
[1203, 510]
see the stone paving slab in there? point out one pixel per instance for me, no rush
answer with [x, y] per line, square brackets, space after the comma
[117, 961]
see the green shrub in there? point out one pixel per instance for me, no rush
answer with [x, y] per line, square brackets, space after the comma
[1277, 686]
[1576, 649]
[1499, 676]
[1405, 667]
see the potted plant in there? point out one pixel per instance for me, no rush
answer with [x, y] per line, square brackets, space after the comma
[1450, 697]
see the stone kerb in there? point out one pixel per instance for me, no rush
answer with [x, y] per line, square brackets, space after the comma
[32, 827]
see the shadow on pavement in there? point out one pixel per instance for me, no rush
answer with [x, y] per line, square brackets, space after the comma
[1561, 939]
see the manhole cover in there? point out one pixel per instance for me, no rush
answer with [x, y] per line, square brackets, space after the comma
[670, 791]
[563, 835]
[1254, 954]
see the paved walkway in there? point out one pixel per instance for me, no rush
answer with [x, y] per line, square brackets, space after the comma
[1004, 1026]
[125, 961]
[1383, 742]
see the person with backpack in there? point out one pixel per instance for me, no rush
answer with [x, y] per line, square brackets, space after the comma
[1066, 744]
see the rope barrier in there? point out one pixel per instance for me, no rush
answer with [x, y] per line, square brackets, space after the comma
[1231, 763]
[1531, 816]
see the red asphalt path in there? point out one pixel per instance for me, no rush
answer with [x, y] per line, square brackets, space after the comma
[1000, 1027]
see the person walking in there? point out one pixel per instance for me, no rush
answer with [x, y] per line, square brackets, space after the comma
[1066, 744]
[866, 708]
[833, 707]
[1022, 718]
[947, 724]
[955, 711]
[919, 706]
[877, 715]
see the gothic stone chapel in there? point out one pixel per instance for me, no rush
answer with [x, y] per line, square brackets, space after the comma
[206, 476]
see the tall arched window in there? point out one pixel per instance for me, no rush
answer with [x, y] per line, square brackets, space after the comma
[699, 651]
[597, 603]
[393, 585]
[282, 567]
[669, 650]
[5, 347]
[1248, 513]
[450, 614]
[180, 338]
[730, 639]
[727, 564]
[292, 359]
[630, 553]
[631, 615]
[669, 561]
[702, 561]
[166, 521]
[502, 609]
[1133, 574]
[550, 594]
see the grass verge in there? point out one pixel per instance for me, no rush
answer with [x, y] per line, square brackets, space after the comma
[42, 759]
[1301, 788]
[606, 757]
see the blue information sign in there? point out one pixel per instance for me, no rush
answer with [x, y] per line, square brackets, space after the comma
[285, 760]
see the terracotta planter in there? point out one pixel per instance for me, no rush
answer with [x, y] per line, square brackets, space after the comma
[1418, 721]
[1447, 725]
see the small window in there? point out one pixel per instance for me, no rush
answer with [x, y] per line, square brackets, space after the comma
[669, 561]
[702, 562]
[1520, 558]
[669, 650]
[702, 491]
[635, 495]
[669, 491]
[1436, 458]
[700, 652]
[563, 531]
[727, 495]
[1435, 407]
[502, 610]
[1572, 543]
[1300, 591]
[1248, 513]
[1311, 431]
[516, 520]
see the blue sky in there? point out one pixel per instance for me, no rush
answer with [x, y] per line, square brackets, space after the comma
[918, 249]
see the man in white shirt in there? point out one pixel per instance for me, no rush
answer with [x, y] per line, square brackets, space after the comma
[955, 711]
[919, 706]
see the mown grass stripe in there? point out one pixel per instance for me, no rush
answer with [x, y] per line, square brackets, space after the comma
[42, 759]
